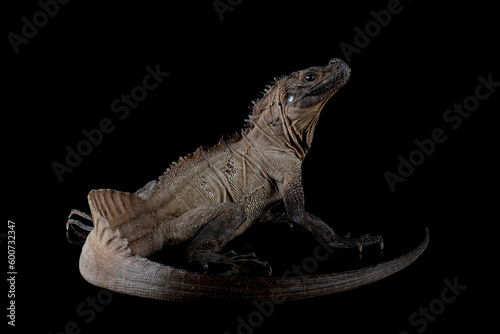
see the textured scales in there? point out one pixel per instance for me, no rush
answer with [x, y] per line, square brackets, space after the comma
[214, 195]
[231, 171]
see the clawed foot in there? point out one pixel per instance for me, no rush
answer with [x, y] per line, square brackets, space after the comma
[232, 264]
[77, 231]
[348, 242]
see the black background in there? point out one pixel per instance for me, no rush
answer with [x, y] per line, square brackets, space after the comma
[428, 58]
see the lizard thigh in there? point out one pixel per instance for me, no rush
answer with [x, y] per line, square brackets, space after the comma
[218, 231]
[217, 222]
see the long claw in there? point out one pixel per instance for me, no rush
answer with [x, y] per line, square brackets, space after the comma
[76, 231]
[79, 224]
[238, 264]
[348, 242]
[80, 214]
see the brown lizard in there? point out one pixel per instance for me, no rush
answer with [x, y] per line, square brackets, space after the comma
[213, 196]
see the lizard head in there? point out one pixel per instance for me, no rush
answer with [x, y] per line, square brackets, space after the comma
[291, 108]
[304, 93]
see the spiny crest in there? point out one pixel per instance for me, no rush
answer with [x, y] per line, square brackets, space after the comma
[254, 113]
[178, 166]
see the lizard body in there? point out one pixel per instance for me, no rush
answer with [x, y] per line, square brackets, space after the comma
[214, 195]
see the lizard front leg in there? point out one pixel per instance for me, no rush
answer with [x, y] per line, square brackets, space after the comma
[293, 197]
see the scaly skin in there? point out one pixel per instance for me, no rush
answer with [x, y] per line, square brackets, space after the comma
[215, 195]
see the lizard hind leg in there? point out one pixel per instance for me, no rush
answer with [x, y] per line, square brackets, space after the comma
[203, 251]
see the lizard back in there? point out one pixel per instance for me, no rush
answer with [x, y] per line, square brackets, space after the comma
[231, 171]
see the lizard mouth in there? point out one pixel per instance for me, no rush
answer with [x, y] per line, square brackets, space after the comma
[340, 75]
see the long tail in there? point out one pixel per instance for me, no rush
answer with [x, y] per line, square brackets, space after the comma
[108, 261]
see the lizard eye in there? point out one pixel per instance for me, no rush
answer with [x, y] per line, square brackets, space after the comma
[310, 77]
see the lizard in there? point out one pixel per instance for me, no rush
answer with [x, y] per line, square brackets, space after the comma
[214, 195]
